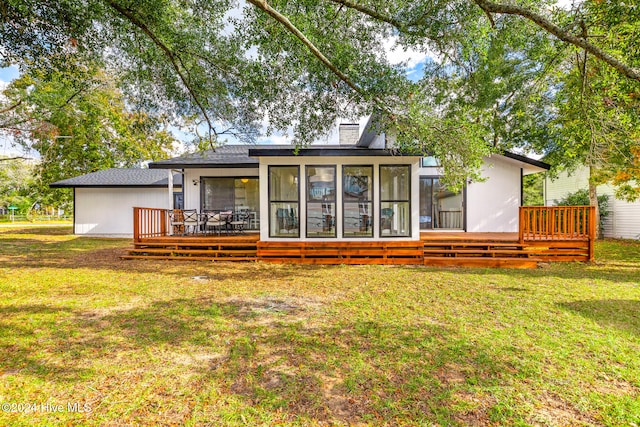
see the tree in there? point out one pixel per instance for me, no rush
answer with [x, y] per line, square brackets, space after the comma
[17, 185]
[76, 122]
[597, 120]
[303, 63]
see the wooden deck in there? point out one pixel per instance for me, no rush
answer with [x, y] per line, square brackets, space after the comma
[433, 249]
[545, 234]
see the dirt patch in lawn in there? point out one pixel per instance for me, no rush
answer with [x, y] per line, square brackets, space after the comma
[554, 410]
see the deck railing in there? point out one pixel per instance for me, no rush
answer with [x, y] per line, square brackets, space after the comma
[150, 222]
[540, 223]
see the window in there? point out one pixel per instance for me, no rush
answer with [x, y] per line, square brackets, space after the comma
[357, 191]
[232, 194]
[395, 204]
[321, 201]
[430, 161]
[439, 207]
[284, 201]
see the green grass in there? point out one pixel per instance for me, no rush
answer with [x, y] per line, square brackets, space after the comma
[148, 343]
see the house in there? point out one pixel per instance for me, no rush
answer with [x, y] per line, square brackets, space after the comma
[104, 200]
[623, 220]
[356, 202]
[355, 190]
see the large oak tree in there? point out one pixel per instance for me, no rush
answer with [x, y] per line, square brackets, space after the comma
[300, 64]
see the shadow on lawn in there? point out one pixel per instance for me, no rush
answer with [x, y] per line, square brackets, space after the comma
[274, 354]
[620, 314]
[23, 348]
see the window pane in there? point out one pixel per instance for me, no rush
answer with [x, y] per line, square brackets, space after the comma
[357, 219]
[284, 220]
[357, 183]
[394, 182]
[321, 183]
[394, 219]
[430, 162]
[283, 183]
[321, 220]
[426, 203]
[247, 200]
[218, 194]
[447, 206]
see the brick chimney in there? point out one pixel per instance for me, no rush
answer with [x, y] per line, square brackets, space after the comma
[349, 133]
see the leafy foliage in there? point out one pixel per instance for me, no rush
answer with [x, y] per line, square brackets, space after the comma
[17, 185]
[581, 198]
[77, 122]
[533, 189]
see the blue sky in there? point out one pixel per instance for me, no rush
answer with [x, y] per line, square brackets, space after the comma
[9, 73]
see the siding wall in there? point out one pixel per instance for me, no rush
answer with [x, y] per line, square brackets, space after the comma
[624, 217]
[109, 211]
[492, 205]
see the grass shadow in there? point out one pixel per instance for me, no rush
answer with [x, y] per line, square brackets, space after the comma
[623, 315]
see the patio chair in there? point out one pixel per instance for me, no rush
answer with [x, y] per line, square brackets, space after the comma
[192, 221]
[215, 222]
[240, 222]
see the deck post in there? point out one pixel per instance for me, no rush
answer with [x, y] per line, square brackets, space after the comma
[136, 224]
[521, 225]
[163, 222]
[592, 232]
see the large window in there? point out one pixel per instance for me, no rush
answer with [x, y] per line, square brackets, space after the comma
[439, 207]
[357, 192]
[395, 203]
[284, 201]
[241, 194]
[321, 201]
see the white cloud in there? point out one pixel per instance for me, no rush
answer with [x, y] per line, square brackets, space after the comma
[399, 54]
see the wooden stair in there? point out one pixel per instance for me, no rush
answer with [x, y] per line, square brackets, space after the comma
[221, 248]
[440, 251]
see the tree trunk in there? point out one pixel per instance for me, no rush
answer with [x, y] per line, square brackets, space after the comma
[593, 200]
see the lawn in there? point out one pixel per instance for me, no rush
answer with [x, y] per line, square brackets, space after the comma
[89, 339]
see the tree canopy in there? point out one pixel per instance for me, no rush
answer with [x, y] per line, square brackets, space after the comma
[76, 120]
[493, 83]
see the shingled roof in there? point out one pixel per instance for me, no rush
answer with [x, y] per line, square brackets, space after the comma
[225, 156]
[120, 178]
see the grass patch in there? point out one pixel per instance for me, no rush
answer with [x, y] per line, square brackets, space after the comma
[153, 343]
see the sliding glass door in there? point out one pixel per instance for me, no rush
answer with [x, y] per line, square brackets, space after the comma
[439, 207]
[240, 195]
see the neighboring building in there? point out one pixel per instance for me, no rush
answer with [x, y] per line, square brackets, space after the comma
[623, 220]
[104, 200]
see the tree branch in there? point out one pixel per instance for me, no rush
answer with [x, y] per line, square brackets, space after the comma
[265, 7]
[7, 159]
[171, 56]
[489, 7]
[565, 36]
[11, 107]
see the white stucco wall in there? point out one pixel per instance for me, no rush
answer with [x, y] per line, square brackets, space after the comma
[339, 162]
[624, 217]
[493, 205]
[109, 211]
